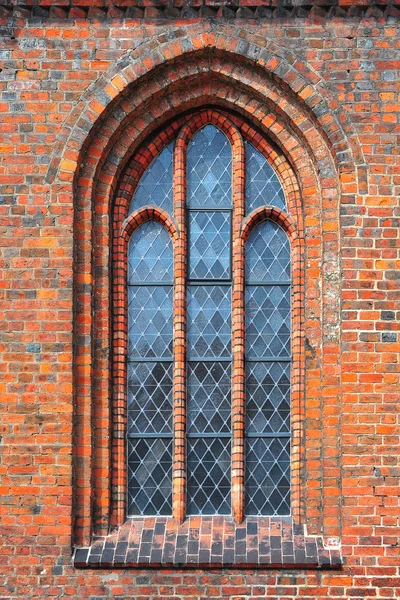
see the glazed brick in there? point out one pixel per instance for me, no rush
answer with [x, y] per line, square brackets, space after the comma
[183, 546]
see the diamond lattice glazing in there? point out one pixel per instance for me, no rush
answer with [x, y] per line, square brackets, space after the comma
[209, 392]
[267, 397]
[267, 254]
[209, 245]
[209, 169]
[209, 321]
[150, 254]
[268, 476]
[149, 398]
[263, 187]
[208, 484]
[150, 321]
[267, 321]
[155, 185]
[149, 476]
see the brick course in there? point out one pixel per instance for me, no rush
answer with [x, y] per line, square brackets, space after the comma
[78, 101]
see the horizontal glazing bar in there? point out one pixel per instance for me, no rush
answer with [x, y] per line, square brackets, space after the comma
[268, 283]
[208, 435]
[152, 283]
[228, 435]
[216, 359]
[152, 359]
[210, 209]
[209, 282]
[269, 359]
[150, 436]
[286, 434]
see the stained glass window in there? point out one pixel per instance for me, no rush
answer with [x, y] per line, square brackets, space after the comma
[149, 380]
[268, 326]
[155, 185]
[208, 337]
[209, 199]
[263, 187]
[209, 169]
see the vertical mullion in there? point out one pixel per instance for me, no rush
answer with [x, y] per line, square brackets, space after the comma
[238, 332]
[179, 335]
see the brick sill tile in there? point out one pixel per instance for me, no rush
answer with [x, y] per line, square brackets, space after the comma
[258, 542]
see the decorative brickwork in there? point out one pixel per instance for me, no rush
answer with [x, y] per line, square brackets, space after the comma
[195, 9]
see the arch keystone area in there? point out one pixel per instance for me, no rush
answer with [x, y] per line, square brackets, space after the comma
[145, 60]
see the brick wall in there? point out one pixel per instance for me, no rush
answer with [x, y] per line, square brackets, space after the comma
[323, 83]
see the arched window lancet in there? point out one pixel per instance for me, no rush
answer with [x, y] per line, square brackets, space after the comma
[268, 361]
[227, 450]
[149, 371]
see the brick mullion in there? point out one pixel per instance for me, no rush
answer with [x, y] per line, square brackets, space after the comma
[238, 332]
[179, 333]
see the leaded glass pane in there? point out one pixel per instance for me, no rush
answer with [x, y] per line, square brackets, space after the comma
[209, 321]
[209, 245]
[150, 254]
[267, 321]
[149, 476]
[149, 398]
[150, 321]
[267, 397]
[209, 470]
[155, 185]
[268, 476]
[209, 390]
[262, 184]
[209, 169]
[267, 254]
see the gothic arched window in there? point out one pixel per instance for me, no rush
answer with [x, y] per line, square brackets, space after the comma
[205, 327]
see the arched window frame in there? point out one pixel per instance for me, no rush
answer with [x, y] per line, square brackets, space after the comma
[123, 226]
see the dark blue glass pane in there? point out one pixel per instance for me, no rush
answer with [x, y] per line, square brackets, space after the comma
[262, 184]
[209, 321]
[209, 245]
[209, 397]
[209, 474]
[155, 185]
[267, 397]
[267, 254]
[209, 169]
[149, 398]
[267, 476]
[267, 321]
[149, 477]
[150, 321]
[150, 254]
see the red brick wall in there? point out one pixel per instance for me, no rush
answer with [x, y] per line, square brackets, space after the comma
[332, 107]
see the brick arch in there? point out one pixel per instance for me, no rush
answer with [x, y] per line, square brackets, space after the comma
[148, 213]
[203, 39]
[140, 113]
[270, 213]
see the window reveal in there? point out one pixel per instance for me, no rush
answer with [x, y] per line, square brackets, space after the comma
[216, 459]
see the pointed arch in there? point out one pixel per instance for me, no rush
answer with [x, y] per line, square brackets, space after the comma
[308, 140]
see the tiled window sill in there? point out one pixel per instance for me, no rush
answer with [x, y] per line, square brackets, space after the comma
[258, 542]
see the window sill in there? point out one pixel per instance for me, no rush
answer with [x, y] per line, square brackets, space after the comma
[258, 542]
